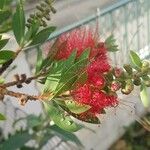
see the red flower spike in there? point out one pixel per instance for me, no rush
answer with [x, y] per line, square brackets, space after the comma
[96, 80]
[91, 92]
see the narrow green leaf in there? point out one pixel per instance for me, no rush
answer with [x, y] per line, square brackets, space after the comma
[65, 136]
[71, 74]
[39, 60]
[53, 78]
[135, 59]
[82, 78]
[42, 36]
[144, 96]
[19, 23]
[6, 55]
[2, 117]
[31, 33]
[64, 122]
[16, 141]
[64, 73]
[76, 107]
[3, 42]
[32, 121]
[4, 15]
[2, 3]
[86, 116]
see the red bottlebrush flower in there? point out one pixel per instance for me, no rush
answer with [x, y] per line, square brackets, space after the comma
[79, 39]
[98, 66]
[97, 80]
[82, 94]
[91, 92]
[97, 99]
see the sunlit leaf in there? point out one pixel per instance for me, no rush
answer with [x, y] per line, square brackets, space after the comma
[76, 107]
[86, 116]
[2, 80]
[64, 122]
[144, 96]
[135, 59]
[2, 117]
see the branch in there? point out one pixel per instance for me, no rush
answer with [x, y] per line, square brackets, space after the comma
[23, 80]
[22, 97]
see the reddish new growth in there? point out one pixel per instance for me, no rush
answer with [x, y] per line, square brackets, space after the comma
[92, 92]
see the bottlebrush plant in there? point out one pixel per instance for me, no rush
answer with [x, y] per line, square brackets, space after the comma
[75, 70]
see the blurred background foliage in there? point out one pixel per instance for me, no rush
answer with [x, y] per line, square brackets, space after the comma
[135, 138]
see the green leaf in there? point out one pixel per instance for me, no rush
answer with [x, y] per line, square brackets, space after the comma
[4, 15]
[42, 36]
[86, 116]
[2, 80]
[6, 55]
[31, 33]
[64, 122]
[56, 73]
[19, 23]
[32, 121]
[27, 148]
[2, 3]
[70, 74]
[2, 117]
[45, 139]
[3, 42]
[111, 45]
[39, 60]
[65, 136]
[53, 78]
[64, 73]
[135, 59]
[82, 78]
[144, 96]
[76, 107]
[16, 141]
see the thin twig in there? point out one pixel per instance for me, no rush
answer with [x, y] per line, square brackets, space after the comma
[23, 81]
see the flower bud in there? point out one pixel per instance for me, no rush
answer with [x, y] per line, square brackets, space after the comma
[145, 64]
[53, 10]
[125, 91]
[137, 81]
[128, 87]
[128, 68]
[30, 20]
[115, 86]
[147, 83]
[146, 80]
[118, 72]
[145, 67]
[40, 8]
[109, 76]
